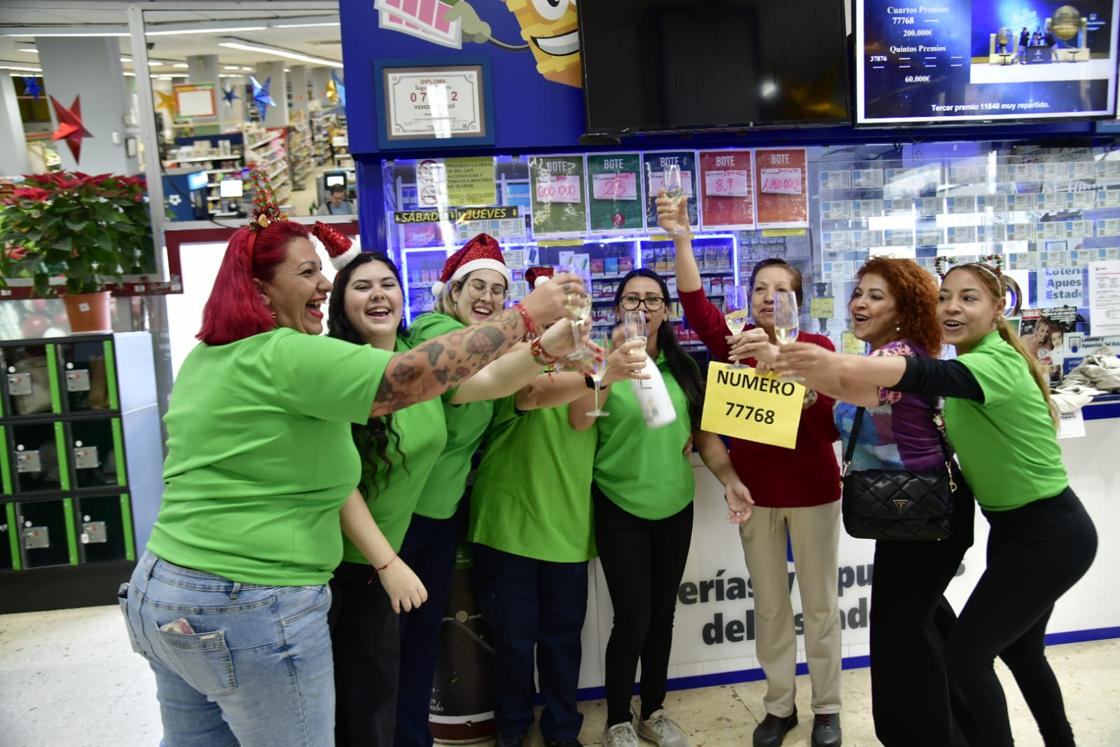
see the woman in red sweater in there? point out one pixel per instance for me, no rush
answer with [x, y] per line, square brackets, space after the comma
[796, 493]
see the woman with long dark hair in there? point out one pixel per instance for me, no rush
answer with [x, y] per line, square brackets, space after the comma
[399, 452]
[642, 493]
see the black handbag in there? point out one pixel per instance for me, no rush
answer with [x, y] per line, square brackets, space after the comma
[885, 504]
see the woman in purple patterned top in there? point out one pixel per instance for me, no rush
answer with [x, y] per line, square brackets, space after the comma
[894, 309]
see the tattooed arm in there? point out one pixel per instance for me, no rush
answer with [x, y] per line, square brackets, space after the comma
[430, 369]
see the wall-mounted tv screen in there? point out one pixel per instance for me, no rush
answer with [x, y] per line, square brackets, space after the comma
[683, 65]
[950, 61]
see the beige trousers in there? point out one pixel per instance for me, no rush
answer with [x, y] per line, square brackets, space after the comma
[815, 535]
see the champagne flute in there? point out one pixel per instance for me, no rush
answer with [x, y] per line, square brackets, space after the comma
[736, 313]
[579, 306]
[598, 366]
[786, 320]
[634, 327]
[672, 185]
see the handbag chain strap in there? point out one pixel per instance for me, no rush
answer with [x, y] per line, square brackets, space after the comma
[853, 437]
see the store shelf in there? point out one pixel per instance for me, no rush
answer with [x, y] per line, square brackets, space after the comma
[269, 139]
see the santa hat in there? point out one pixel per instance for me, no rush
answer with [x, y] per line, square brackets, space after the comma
[538, 276]
[481, 253]
[341, 249]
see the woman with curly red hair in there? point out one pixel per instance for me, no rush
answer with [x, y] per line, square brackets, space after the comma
[894, 309]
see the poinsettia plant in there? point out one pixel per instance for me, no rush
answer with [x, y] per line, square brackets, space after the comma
[87, 229]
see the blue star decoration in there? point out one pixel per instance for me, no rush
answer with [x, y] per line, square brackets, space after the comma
[31, 87]
[229, 96]
[261, 96]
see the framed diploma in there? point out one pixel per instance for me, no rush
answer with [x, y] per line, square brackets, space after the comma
[430, 104]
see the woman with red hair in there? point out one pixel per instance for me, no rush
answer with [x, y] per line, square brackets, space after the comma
[229, 602]
[893, 309]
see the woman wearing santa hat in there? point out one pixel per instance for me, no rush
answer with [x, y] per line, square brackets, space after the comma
[472, 288]
[229, 602]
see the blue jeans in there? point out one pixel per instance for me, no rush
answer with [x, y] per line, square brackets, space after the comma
[533, 605]
[255, 671]
[429, 549]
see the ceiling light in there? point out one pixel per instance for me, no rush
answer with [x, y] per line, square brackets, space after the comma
[182, 66]
[302, 25]
[278, 52]
[196, 29]
[231, 67]
[247, 69]
[24, 68]
[287, 70]
[29, 50]
[30, 32]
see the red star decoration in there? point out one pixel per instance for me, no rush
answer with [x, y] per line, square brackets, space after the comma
[70, 127]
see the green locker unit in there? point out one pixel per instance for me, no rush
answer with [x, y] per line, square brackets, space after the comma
[81, 460]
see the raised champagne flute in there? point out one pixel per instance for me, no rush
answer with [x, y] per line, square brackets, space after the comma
[787, 323]
[736, 313]
[579, 306]
[634, 327]
[597, 366]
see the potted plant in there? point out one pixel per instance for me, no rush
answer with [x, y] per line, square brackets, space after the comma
[88, 230]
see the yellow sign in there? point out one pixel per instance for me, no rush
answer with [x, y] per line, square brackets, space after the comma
[470, 181]
[821, 307]
[851, 344]
[779, 232]
[742, 403]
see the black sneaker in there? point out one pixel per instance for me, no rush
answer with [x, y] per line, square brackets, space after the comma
[826, 730]
[562, 743]
[517, 741]
[772, 730]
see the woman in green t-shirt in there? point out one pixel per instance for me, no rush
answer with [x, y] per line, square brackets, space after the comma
[473, 286]
[999, 419]
[229, 602]
[643, 494]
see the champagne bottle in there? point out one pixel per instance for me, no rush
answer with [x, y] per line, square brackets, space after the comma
[653, 397]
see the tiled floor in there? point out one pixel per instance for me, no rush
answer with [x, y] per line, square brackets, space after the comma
[68, 678]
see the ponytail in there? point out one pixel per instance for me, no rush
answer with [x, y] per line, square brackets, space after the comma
[1040, 378]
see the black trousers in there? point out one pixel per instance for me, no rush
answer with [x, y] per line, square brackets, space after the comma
[1035, 553]
[643, 562]
[365, 638]
[910, 698]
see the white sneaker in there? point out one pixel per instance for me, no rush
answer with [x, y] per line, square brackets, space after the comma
[620, 735]
[662, 730]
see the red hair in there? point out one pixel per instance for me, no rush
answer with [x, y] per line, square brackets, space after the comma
[915, 297]
[235, 310]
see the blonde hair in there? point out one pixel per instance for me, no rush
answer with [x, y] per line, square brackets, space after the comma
[997, 286]
[444, 304]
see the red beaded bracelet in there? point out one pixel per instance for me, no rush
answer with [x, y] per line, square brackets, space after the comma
[530, 326]
[540, 355]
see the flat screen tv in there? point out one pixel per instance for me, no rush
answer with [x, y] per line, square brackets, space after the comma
[694, 65]
[956, 61]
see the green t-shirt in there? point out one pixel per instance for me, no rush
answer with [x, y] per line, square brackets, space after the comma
[1007, 445]
[644, 470]
[466, 425]
[532, 491]
[260, 457]
[417, 438]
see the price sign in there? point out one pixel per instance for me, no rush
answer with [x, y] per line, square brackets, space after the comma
[623, 186]
[742, 403]
[727, 183]
[558, 188]
[781, 181]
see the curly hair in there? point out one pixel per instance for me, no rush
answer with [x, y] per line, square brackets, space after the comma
[915, 296]
[374, 437]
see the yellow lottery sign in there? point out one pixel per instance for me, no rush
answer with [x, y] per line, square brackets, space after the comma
[742, 403]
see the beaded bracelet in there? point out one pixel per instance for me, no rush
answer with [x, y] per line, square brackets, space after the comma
[531, 330]
[540, 355]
